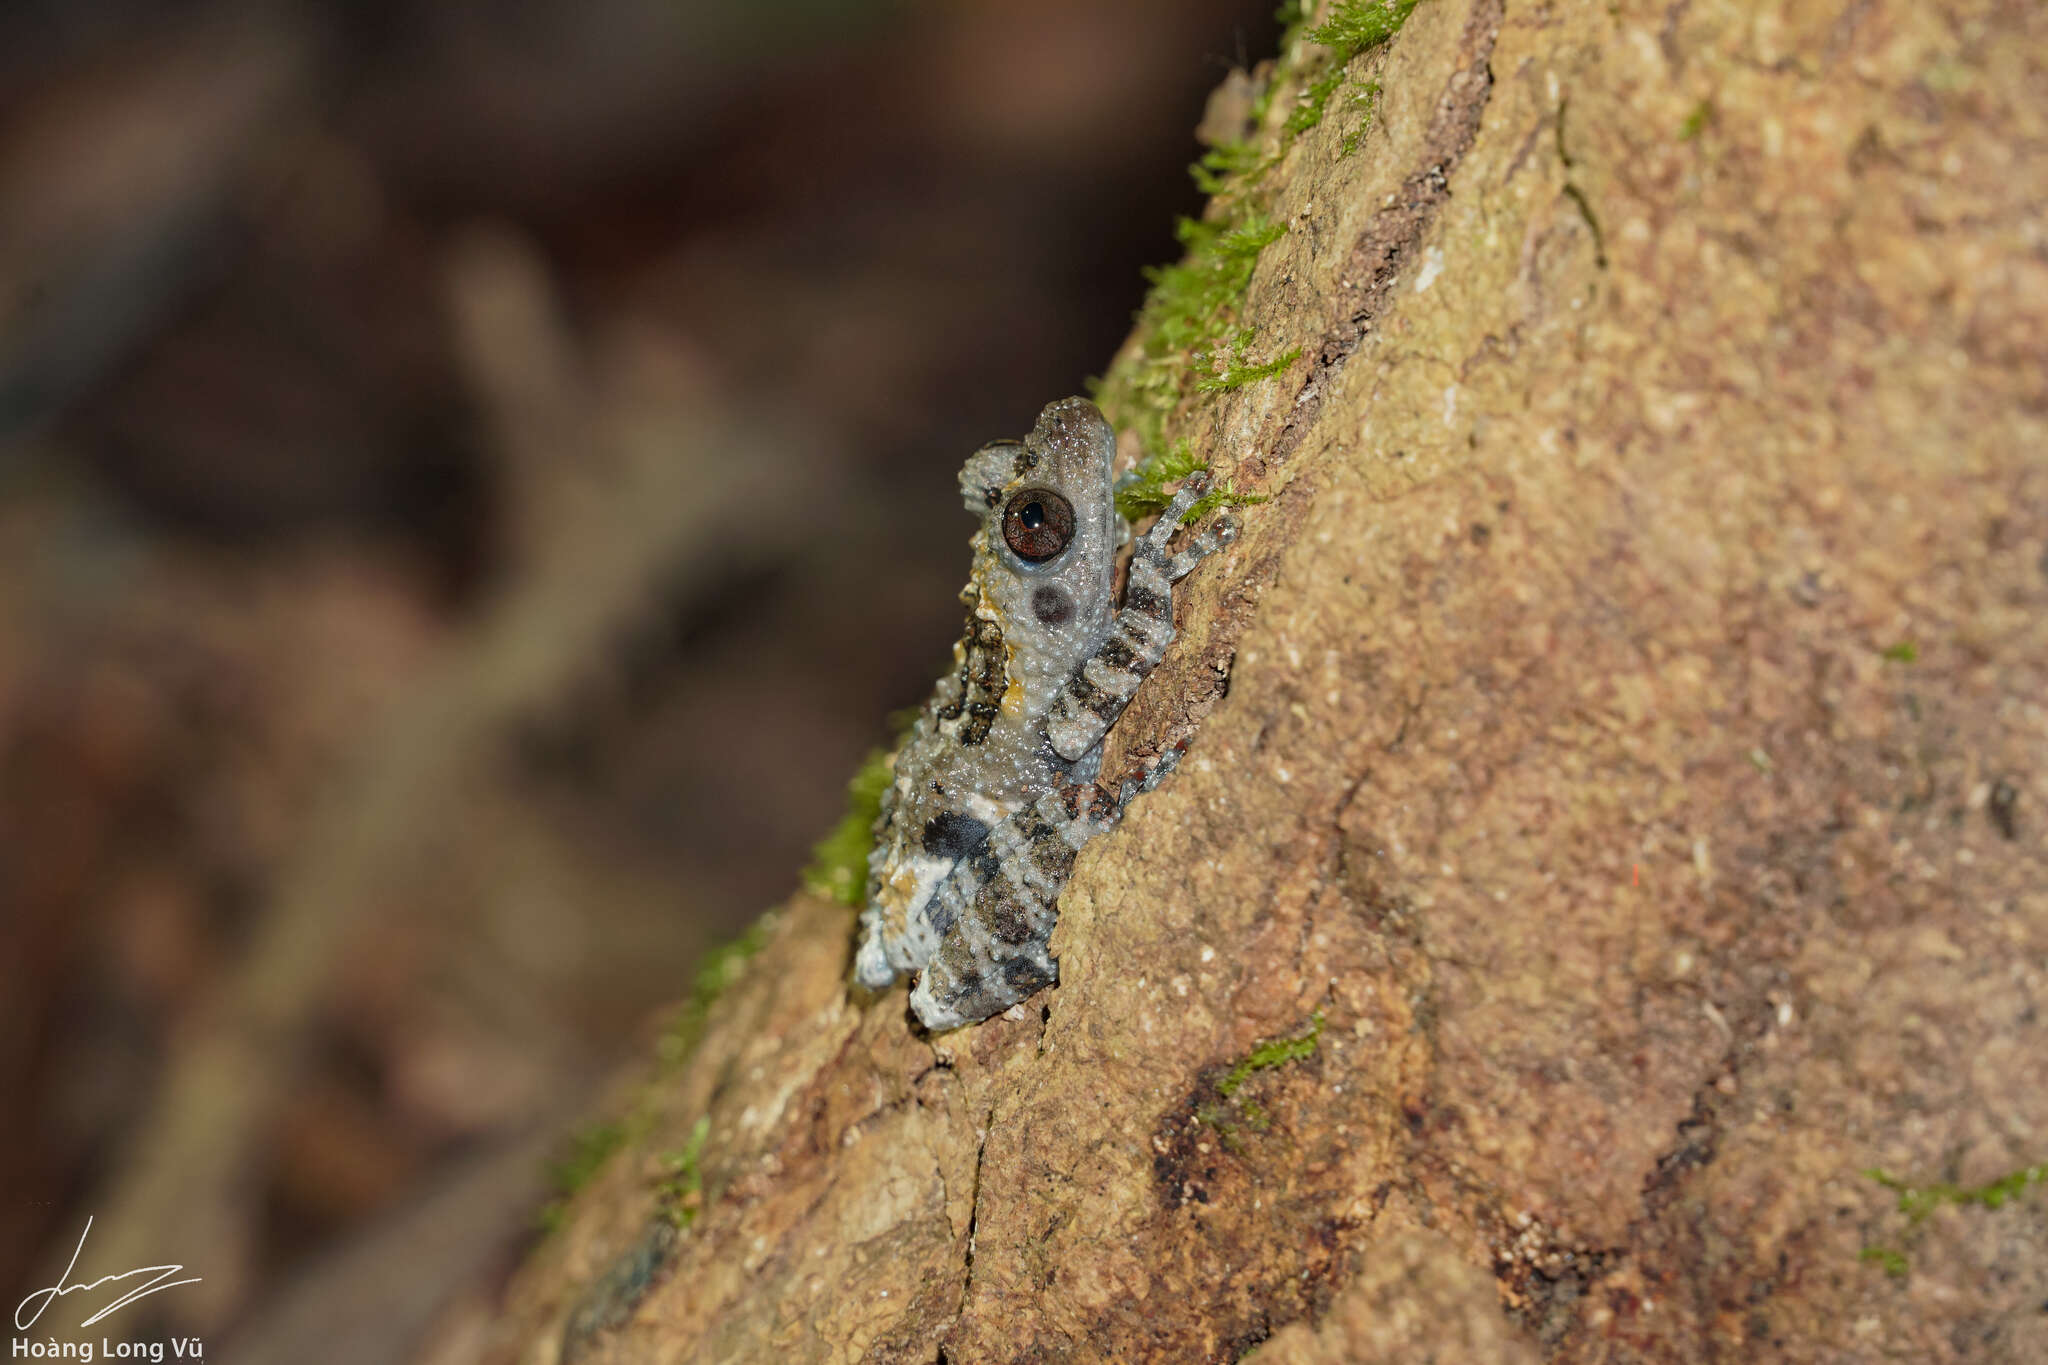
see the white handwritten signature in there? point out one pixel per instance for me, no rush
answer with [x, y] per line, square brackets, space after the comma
[53, 1292]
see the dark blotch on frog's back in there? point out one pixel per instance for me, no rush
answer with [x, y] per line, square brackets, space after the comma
[953, 834]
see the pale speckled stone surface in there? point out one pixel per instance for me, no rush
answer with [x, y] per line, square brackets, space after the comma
[1561, 766]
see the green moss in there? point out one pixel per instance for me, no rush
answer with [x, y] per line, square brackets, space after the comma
[1226, 1120]
[1367, 102]
[1237, 1111]
[1315, 98]
[1190, 343]
[1186, 320]
[1904, 652]
[1266, 1056]
[679, 1194]
[590, 1147]
[593, 1145]
[1696, 122]
[1225, 496]
[1219, 166]
[839, 863]
[1918, 1201]
[838, 869]
[1356, 26]
[587, 1151]
[1189, 298]
[1144, 492]
[1293, 16]
[719, 971]
[1236, 372]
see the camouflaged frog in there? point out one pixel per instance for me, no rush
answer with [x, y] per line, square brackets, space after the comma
[994, 789]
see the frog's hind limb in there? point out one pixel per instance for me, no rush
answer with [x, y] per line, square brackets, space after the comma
[994, 914]
[1098, 690]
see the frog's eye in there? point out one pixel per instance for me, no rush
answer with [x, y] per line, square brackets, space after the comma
[1037, 523]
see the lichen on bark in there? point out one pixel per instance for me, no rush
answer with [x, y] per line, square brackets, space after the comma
[1546, 746]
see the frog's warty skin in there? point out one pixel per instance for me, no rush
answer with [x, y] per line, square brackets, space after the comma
[994, 789]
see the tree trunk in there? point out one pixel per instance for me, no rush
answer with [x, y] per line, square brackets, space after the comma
[1613, 825]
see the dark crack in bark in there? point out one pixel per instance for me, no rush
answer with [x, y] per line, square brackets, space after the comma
[1390, 239]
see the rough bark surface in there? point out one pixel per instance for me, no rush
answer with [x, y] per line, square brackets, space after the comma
[1620, 760]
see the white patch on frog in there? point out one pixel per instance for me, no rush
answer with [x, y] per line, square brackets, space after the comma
[885, 956]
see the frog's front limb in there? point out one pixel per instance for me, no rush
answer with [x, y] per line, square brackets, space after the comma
[1098, 690]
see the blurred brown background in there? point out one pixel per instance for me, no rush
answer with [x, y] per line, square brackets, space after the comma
[474, 477]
